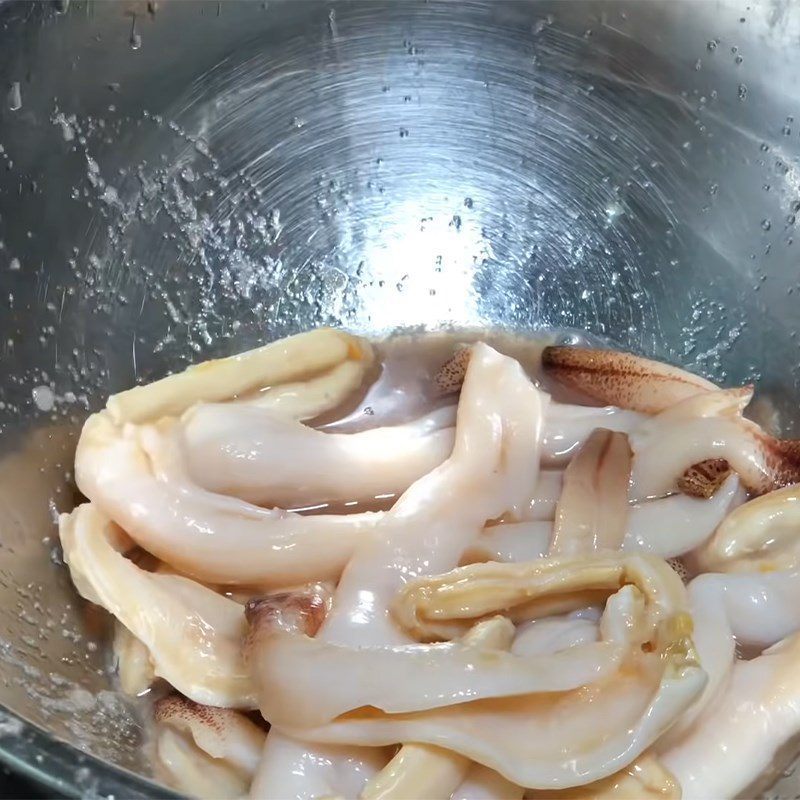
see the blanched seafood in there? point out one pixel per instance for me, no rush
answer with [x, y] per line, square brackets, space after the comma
[207, 752]
[292, 769]
[192, 634]
[567, 427]
[282, 362]
[592, 513]
[645, 620]
[740, 736]
[420, 770]
[621, 379]
[219, 732]
[137, 476]
[304, 400]
[440, 607]
[675, 525]
[254, 454]
[134, 667]
[290, 665]
[491, 472]
[511, 541]
[523, 738]
[645, 779]
[667, 527]
[710, 426]
[507, 623]
[482, 783]
[761, 535]
[753, 610]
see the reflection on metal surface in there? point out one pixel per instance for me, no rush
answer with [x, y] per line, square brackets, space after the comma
[190, 179]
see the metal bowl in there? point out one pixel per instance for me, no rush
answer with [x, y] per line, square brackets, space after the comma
[180, 180]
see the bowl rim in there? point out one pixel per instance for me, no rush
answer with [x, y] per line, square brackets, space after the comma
[58, 766]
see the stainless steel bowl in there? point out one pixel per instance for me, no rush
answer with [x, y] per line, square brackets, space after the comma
[180, 179]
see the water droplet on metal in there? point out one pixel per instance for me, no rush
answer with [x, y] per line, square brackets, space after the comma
[14, 97]
[711, 46]
[43, 398]
[134, 40]
[766, 224]
[742, 91]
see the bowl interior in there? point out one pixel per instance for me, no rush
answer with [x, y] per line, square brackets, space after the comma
[181, 180]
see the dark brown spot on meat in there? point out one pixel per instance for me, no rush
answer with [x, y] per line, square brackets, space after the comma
[295, 612]
[680, 568]
[176, 709]
[704, 478]
[782, 463]
[450, 375]
[620, 379]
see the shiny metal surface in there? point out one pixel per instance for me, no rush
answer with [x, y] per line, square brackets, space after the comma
[179, 180]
